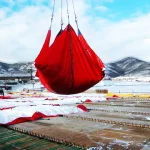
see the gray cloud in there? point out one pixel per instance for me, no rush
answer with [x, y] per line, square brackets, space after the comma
[22, 34]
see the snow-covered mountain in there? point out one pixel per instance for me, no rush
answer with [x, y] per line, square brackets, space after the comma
[16, 68]
[128, 66]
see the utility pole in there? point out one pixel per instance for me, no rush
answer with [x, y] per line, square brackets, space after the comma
[31, 71]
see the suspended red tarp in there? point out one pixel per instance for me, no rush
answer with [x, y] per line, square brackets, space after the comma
[69, 65]
[41, 59]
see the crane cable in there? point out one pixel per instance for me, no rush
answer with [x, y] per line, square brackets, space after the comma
[61, 15]
[76, 20]
[68, 12]
[52, 16]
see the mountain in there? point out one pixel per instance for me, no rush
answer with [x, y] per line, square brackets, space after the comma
[16, 68]
[128, 66]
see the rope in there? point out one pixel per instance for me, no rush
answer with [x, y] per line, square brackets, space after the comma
[76, 20]
[52, 15]
[109, 121]
[68, 12]
[61, 15]
[124, 105]
[72, 59]
[117, 111]
[71, 51]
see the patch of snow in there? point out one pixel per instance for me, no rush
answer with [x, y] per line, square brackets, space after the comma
[148, 118]
[96, 148]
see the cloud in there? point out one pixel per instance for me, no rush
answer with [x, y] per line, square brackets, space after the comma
[147, 41]
[23, 32]
[125, 38]
[3, 13]
[102, 8]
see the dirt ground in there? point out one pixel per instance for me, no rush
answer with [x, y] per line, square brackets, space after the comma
[118, 125]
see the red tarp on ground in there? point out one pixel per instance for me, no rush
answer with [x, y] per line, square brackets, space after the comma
[69, 65]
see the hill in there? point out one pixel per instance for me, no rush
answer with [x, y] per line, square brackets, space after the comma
[128, 66]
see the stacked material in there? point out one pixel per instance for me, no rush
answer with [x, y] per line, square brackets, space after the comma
[15, 110]
[121, 124]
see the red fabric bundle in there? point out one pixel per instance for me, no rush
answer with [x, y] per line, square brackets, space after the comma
[69, 65]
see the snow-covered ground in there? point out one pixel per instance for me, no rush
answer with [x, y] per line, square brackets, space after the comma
[28, 104]
[132, 78]
[113, 86]
[22, 103]
[124, 86]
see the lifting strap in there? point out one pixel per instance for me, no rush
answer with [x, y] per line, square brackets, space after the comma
[61, 15]
[52, 16]
[53, 10]
[68, 12]
[76, 19]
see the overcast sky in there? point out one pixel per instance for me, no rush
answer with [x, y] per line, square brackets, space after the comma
[113, 28]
